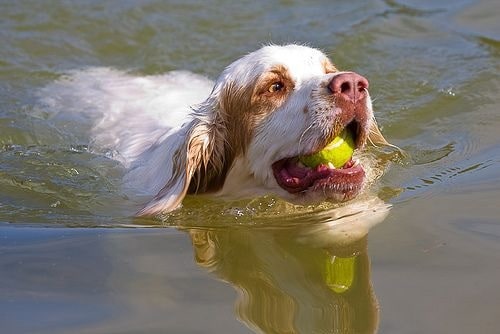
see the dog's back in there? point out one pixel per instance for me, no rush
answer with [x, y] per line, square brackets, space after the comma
[124, 114]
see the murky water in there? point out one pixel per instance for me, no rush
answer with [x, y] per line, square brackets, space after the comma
[429, 265]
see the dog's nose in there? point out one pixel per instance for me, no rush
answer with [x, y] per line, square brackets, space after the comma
[349, 85]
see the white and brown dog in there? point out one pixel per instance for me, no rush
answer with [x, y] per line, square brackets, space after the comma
[264, 111]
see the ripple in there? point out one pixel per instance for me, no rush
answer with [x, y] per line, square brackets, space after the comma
[463, 168]
[421, 156]
[489, 230]
[269, 212]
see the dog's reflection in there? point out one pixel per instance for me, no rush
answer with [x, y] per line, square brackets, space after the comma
[301, 279]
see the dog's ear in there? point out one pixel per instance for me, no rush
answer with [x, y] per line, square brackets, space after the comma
[200, 164]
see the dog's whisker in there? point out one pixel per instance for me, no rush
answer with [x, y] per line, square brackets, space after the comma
[303, 134]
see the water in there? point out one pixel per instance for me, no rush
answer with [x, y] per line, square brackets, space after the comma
[431, 266]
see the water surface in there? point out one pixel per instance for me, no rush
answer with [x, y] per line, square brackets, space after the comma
[71, 262]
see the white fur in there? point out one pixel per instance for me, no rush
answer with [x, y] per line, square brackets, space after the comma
[130, 116]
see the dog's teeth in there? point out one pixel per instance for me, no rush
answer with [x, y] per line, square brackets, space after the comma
[331, 166]
[356, 162]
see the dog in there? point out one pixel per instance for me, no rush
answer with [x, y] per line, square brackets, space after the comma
[239, 137]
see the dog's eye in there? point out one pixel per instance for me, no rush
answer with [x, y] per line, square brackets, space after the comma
[276, 87]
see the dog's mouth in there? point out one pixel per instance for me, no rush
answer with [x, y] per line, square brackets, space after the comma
[338, 184]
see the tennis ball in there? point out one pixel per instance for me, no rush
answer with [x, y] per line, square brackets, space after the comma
[340, 273]
[338, 152]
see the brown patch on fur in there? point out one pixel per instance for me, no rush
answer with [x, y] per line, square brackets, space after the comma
[233, 114]
[189, 158]
[239, 111]
[328, 66]
[220, 134]
[262, 95]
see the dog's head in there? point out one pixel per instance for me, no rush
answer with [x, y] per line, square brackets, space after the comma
[266, 110]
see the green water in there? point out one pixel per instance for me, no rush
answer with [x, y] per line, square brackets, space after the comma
[431, 266]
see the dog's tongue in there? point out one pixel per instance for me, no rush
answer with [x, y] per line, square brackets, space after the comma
[296, 178]
[296, 171]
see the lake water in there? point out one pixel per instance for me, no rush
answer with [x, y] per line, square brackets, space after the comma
[70, 262]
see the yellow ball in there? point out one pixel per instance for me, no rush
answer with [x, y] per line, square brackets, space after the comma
[340, 273]
[338, 152]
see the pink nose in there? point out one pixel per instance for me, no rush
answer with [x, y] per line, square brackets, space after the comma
[349, 85]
